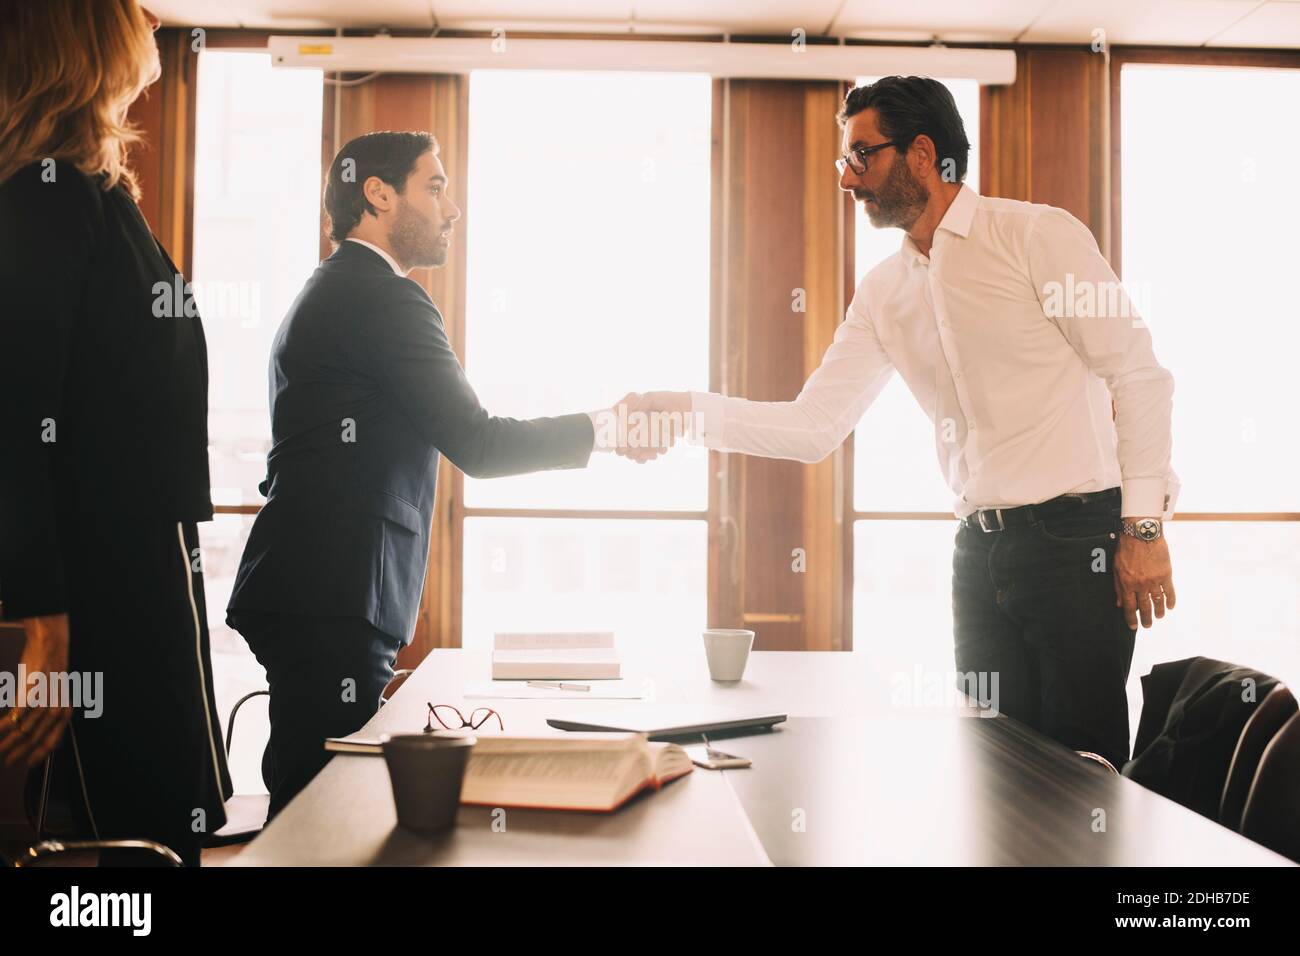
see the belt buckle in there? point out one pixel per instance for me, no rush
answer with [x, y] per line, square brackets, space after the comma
[984, 524]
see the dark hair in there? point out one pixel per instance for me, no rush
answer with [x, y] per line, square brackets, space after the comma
[390, 156]
[909, 106]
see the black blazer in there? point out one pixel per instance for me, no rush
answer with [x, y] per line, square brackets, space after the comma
[365, 393]
[98, 353]
[1192, 717]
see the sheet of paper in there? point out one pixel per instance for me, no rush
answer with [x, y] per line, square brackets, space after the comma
[519, 690]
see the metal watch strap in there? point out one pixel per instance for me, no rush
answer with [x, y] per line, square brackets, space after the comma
[1131, 528]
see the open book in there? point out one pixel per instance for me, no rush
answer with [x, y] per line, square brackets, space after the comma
[555, 772]
[570, 772]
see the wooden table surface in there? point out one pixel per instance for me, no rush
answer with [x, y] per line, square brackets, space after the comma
[861, 774]
[908, 789]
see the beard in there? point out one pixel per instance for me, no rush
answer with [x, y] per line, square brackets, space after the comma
[899, 202]
[415, 243]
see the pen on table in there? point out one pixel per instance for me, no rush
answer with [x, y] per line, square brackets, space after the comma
[554, 685]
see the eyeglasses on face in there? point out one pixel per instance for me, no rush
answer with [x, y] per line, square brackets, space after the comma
[856, 158]
[450, 718]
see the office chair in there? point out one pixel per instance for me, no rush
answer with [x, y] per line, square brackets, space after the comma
[1269, 717]
[1194, 712]
[402, 673]
[43, 851]
[47, 850]
[1097, 758]
[1272, 814]
[246, 812]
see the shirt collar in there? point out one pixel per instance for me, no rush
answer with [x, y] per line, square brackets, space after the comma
[374, 248]
[957, 220]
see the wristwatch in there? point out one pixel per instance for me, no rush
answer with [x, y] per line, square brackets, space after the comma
[1144, 529]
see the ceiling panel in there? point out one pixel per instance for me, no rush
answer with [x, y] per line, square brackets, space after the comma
[952, 20]
[307, 14]
[1272, 25]
[758, 16]
[199, 13]
[484, 14]
[1168, 22]
[294, 14]
[1244, 23]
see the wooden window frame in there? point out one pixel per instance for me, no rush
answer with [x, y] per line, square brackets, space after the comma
[1178, 56]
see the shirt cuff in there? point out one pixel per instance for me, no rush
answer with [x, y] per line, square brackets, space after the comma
[1148, 498]
[708, 419]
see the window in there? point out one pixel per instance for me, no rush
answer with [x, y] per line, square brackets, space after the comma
[256, 240]
[643, 578]
[588, 231]
[1208, 254]
[1210, 251]
[902, 580]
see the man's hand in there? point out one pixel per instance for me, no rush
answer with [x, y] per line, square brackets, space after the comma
[1144, 579]
[644, 426]
[28, 734]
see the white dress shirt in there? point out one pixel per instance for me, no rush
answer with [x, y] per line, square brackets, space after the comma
[1016, 373]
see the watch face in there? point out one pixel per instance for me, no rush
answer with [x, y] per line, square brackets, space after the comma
[1147, 529]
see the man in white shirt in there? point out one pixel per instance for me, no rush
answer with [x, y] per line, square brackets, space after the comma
[1015, 336]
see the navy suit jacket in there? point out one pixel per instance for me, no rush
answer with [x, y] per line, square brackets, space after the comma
[365, 393]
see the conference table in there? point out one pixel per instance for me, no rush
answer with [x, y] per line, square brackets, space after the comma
[871, 768]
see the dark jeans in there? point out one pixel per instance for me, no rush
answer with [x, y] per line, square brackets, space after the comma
[326, 676]
[1035, 605]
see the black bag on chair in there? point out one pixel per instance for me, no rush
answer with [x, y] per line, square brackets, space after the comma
[1193, 712]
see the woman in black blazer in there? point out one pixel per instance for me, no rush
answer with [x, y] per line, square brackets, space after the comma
[103, 438]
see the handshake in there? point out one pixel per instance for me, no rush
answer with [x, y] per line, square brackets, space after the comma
[642, 426]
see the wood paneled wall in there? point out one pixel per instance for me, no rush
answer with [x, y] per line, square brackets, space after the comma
[1044, 138]
[164, 160]
[779, 274]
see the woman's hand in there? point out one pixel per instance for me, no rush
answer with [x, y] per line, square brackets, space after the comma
[29, 734]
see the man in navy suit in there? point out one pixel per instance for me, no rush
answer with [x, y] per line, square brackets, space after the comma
[366, 392]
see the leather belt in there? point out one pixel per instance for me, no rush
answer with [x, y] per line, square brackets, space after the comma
[999, 519]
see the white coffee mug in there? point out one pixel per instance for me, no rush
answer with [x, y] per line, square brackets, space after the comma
[727, 650]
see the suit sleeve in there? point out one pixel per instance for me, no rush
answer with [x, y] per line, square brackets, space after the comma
[47, 235]
[407, 350]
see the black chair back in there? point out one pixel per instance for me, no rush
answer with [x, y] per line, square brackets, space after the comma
[1272, 815]
[1270, 716]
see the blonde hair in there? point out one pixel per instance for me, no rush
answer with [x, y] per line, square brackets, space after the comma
[69, 72]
